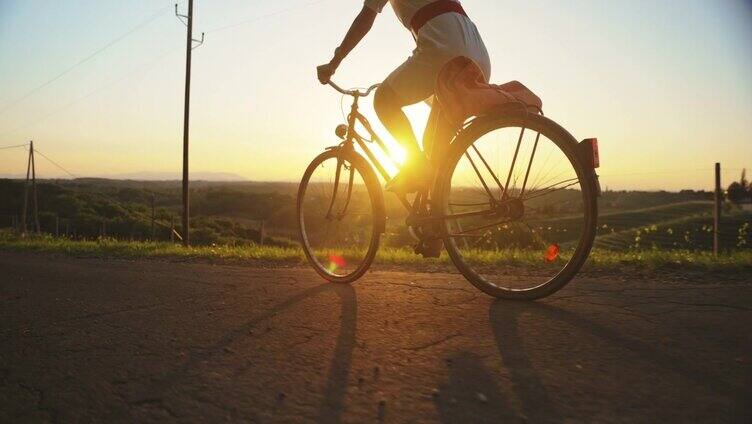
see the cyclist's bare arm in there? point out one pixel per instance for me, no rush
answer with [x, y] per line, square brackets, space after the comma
[359, 28]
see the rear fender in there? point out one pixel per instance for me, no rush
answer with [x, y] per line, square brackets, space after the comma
[588, 152]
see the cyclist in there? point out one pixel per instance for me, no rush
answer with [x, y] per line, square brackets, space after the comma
[442, 31]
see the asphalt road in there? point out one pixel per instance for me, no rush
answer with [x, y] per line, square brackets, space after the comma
[110, 340]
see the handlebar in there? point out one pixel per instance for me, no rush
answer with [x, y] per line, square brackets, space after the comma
[354, 92]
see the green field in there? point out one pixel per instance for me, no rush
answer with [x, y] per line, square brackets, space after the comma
[687, 225]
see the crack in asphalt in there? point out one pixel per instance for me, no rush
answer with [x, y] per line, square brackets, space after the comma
[431, 344]
[437, 301]
[624, 310]
[694, 305]
[94, 315]
[418, 286]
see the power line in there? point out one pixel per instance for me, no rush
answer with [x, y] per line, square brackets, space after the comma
[141, 25]
[55, 163]
[86, 59]
[675, 171]
[268, 15]
[143, 68]
[14, 147]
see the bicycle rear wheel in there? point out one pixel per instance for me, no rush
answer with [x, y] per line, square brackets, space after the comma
[340, 212]
[519, 206]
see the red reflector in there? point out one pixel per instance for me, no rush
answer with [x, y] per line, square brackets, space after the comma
[551, 253]
[594, 157]
[337, 260]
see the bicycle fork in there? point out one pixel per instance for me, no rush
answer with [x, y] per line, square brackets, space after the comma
[341, 164]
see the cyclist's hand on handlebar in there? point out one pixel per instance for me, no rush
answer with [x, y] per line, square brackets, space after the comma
[325, 72]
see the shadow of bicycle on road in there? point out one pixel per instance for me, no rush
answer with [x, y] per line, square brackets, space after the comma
[537, 402]
[474, 393]
[336, 381]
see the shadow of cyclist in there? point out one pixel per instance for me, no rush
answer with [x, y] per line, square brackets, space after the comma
[471, 393]
[537, 405]
[537, 402]
[336, 382]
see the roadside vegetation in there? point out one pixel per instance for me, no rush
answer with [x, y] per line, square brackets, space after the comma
[248, 222]
[649, 259]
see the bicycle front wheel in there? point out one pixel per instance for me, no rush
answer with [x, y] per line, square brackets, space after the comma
[519, 206]
[340, 215]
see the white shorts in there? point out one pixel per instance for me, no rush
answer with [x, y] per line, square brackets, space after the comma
[440, 40]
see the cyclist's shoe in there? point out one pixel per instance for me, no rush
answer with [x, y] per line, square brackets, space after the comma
[429, 248]
[411, 178]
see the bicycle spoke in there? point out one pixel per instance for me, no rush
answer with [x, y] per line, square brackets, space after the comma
[483, 227]
[514, 159]
[536, 180]
[530, 164]
[554, 178]
[487, 166]
[480, 177]
[550, 189]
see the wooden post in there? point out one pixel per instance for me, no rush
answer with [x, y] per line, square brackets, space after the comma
[66, 228]
[262, 232]
[34, 187]
[717, 209]
[172, 229]
[57, 226]
[153, 217]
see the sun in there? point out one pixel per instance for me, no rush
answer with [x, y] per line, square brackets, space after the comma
[396, 155]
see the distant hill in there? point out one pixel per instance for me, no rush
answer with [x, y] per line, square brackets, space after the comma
[169, 176]
[154, 176]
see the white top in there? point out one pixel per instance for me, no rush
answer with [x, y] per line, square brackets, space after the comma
[404, 9]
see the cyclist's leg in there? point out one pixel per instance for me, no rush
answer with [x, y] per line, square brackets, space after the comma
[410, 83]
[388, 106]
[438, 135]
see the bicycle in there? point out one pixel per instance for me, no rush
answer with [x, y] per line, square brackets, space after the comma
[542, 230]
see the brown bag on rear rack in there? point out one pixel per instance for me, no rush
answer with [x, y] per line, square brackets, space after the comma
[462, 92]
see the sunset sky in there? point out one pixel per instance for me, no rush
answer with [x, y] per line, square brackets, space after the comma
[666, 86]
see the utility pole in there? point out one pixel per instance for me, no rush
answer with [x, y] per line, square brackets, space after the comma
[186, 114]
[34, 187]
[31, 175]
[26, 195]
[717, 209]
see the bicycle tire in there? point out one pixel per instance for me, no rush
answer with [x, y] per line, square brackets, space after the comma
[569, 146]
[376, 197]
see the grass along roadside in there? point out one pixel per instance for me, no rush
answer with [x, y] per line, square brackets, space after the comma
[736, 261]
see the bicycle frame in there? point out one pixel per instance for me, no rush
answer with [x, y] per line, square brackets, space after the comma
[352, 136]
[500, 206]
